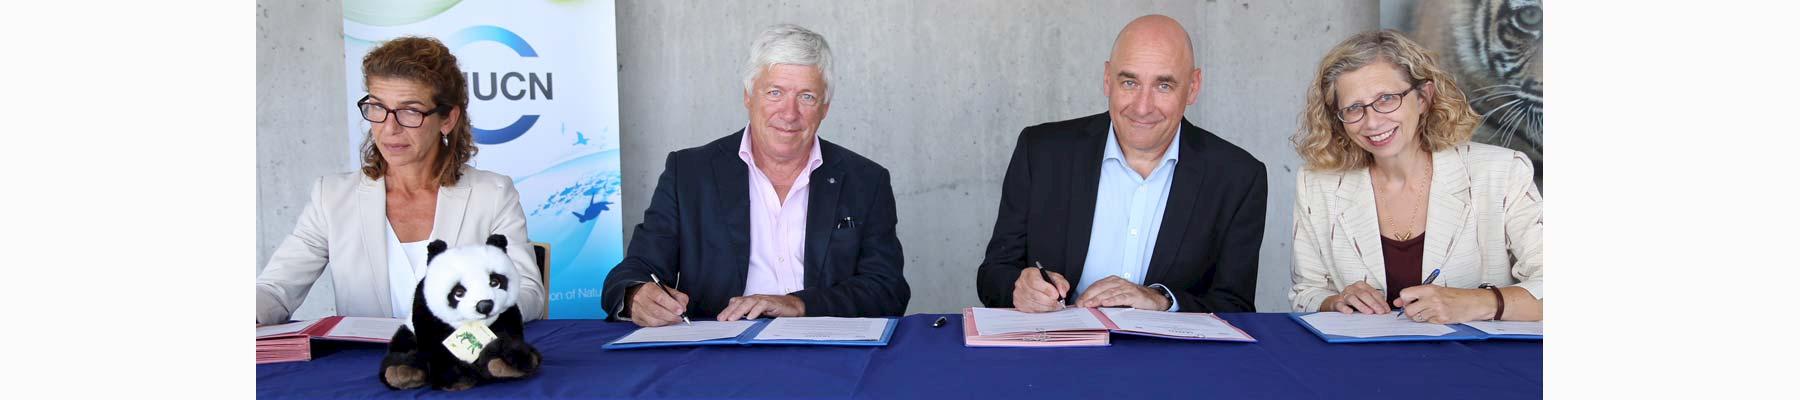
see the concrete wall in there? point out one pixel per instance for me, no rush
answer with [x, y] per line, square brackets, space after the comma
[299, 120]
[937, 91]
[1258, 58]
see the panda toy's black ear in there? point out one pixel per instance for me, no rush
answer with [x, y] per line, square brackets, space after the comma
[435, 248]
[497, 240]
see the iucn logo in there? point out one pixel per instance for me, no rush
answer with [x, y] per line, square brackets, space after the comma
[509, 85]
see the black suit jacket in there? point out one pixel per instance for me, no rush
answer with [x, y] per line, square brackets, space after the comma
[698, 228]
[1205, 252]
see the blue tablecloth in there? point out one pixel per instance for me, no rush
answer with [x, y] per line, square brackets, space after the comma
[1288, 362]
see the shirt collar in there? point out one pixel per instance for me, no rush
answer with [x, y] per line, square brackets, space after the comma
[1172, 155]
[814, 161]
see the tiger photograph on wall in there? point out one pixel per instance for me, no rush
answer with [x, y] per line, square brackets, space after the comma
[1495, 49]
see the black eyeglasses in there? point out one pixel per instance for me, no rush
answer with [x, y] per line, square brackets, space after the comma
[1386, 103]
[409, 118]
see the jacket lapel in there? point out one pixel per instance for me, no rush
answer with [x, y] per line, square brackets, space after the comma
[1360, 221]
[822, 198]
[371, 206]
[452, 204]
[733, 204]
[1090, 149]
[1448, 209]
[1184, 192]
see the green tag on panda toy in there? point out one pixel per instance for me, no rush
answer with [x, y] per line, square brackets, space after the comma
[468, 340]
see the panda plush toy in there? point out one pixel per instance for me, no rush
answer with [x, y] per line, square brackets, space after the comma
[463, 289]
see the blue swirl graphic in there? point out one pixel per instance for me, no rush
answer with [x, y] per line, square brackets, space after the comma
[507, 134]
[490, 33]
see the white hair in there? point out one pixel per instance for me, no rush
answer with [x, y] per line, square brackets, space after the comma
[791, 45]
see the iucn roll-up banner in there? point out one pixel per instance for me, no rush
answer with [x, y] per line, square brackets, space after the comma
[543, 83]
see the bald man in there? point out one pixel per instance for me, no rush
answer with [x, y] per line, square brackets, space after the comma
[1134, 207]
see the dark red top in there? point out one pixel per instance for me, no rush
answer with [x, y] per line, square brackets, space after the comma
[1404, 263]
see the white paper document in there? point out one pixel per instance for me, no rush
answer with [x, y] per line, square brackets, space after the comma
[699, 331]
[1508, 327]
[282, 329]
[824, 328]
[365, 327]
[1192, 325]
[989, 321]
[1372, 325]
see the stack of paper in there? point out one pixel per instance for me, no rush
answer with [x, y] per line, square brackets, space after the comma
[1336, 327]
[293, 341]
[1372, 325]
[824, 329]
[1509, 329]
[1173, 325]
[697, 331]
[285, 342]
[807, 331]
[993, 327]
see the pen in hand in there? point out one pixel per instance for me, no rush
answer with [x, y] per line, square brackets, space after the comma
[1060, 303]
[665, 289]
[1428, 280]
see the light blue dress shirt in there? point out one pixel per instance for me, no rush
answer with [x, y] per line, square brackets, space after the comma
[1128, 212]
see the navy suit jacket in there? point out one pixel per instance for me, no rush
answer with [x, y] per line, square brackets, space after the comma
[1206, 251]
[696, 235]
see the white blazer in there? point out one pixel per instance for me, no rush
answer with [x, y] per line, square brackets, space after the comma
[1484, 224]
[344, 227]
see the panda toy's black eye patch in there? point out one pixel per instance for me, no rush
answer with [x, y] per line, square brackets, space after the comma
[456, 294]
[497, 281]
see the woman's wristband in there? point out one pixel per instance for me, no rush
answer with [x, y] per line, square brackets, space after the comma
[1499, 300]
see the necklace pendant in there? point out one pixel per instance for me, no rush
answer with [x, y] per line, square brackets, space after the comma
[1404, 236]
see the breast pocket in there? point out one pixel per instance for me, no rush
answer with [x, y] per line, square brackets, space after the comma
[845, 242]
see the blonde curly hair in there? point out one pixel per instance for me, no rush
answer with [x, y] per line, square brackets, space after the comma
[1322, 141]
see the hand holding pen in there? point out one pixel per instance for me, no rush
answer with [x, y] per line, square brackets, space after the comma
[1400, 303]
[657, 307]
[683, 313]
[1060, 301]
[1039, 291]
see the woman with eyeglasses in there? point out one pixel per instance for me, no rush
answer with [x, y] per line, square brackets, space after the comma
[1396, 208]
[371, 227]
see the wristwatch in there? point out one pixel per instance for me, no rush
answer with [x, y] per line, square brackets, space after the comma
[1167, 294]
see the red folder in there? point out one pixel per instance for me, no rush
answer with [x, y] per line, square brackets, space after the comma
[293, 341]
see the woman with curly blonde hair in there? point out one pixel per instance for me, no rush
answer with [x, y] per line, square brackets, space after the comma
[1396, 208]
[371, 227]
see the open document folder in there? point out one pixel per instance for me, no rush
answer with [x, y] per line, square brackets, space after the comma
[816, 331]
[293, 341]
[996, 327]
[1336, 327]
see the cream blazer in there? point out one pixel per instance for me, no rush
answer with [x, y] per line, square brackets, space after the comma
[344, 227]
[1484, 224]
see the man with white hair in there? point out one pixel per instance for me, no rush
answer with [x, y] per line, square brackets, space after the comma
[770, 221]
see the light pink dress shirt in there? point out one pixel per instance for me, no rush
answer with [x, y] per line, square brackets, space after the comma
[777, 229]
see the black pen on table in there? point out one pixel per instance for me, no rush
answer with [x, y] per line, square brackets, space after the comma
[1428, 279]
[1059, 296]
[665, 289]
[940, 322]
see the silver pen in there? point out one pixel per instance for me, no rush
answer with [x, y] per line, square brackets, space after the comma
[665, 289]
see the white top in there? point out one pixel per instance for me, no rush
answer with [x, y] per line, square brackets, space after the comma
[406, 265]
